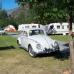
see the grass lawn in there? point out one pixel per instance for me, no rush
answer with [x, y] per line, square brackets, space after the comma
[14, 60]
[7, 41]
[64, 38]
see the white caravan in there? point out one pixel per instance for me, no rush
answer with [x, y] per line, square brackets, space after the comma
[22, 27]
[61, 28]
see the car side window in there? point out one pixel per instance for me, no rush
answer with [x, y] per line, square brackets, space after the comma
[31, 33]
[25, 33]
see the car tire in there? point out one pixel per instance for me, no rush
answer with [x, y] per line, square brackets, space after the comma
[18, 44]
[31, 52]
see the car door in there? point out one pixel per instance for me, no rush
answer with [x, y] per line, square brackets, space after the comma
[24, 40]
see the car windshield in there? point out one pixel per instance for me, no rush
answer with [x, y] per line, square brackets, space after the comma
[36, 32]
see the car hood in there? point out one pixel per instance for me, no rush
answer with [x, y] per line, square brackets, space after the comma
[45, 41]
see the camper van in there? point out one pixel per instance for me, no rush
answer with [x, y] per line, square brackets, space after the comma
[59, 28]
[22, 27]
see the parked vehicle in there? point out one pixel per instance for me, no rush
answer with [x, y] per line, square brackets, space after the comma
[2, 31]
[35, 41]
[58, 28]
[22, 27]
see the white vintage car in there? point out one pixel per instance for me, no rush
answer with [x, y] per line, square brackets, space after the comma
[35, 41]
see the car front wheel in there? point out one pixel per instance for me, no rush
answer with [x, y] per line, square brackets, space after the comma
[31, 52]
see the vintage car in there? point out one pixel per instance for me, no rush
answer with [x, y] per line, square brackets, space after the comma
[35, 41]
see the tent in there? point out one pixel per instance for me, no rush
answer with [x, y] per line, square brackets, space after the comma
[10, 28]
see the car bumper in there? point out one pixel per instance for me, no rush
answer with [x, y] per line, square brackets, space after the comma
[47, 50]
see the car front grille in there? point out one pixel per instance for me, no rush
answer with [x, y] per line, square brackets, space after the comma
[48, 50]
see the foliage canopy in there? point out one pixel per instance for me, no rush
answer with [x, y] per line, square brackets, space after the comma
[46, 11]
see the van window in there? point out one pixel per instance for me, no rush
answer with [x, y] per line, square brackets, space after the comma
[33, 26]
[62, 26]
[58, 27]
[26, 26]
[67, 26]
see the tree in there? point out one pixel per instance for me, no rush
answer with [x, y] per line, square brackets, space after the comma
[23, 17]
[71, 42]
[3, 18]
[44, 11]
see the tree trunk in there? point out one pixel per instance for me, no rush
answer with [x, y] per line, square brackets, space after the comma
[71, 44]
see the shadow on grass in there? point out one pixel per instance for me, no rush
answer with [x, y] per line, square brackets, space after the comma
[61, 55]
[57, 55]
[7, 47]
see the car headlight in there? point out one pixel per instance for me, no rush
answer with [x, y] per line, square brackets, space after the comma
[38, 46]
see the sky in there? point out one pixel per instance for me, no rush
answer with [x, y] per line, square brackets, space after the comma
[9, 4]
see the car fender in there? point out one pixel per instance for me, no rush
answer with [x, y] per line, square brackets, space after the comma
[33, 44]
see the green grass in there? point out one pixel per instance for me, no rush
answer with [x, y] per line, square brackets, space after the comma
[18, 61]
[64, 38]
[7, 41]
